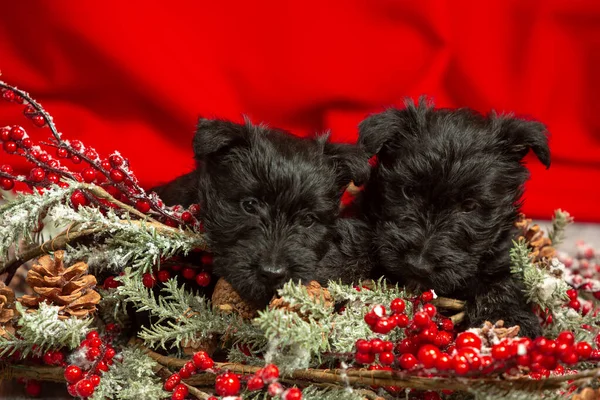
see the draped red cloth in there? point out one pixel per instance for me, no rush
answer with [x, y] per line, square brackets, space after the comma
[134, 75]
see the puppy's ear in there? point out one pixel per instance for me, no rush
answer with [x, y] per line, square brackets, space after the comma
[350, 162]
[378, 129]
[520, 135]
[216, 136]
[375, 133]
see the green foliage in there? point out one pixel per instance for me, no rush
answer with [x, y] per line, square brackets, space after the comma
[177, 314]
[560, 221]
[124, 243]
[21, 216]
[44, 330]
[131, 379]
[541, 287]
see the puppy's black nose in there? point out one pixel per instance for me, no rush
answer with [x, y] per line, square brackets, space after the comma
[271, 273]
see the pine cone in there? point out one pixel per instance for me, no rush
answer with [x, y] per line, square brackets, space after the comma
[316, 292]
[226, 299]
[70, 288]
[587, 394]
[7, 309]
[541, 246]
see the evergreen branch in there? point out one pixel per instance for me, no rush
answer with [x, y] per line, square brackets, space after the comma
[560, 221]
[380, 292]
[42, 329]
[131, 379]
[181, 316]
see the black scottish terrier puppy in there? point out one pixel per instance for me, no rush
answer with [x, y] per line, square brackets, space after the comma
[442, 202]
[269, 202]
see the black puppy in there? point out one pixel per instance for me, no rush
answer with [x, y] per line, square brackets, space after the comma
[442, 202]
[269, 202]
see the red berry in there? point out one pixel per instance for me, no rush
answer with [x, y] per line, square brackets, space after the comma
[227, 384]
[270, 373]
[95, 379]
[101, 366]
[442, 339]
[184, 373]
[84, 388]
[148, 280]
[524, 360]
[171, 382]
[500, 351]
[111, 283]
[371, 318]
[116, 175]
[572, 293]
[53, 178]
[468, 355]
[89, 175]
[92, 335]
[75, 159]
[8, 94]
[364, 358]
[376, 346]
[73, 374]
[407, 346]
[47, 358]
[468, 339]
[383, 326]
[6, 168]
[95, 342]
[255, 383]
[187, 217]
[177, 396]
[109, 354]
[143, 206]
[583, 349]
[566, 337]
[78, 199]
[190, 367]
[427, 355]
[461, 368]
[427, 296]
[163, 275]
[363, 346]
[407, 361]
[388, 346]
[575, 304]
[93, 353]
[71, 390]
[431, 396]
[58, 358]
[428, 335]
[17, 133]
[10, 147]
[398, 306]
[549, 347]
[421, 319]
[7, 183]
[569, 357]
[33, 388]
[274, 389]
[115, 160]
[386, 358]
[443, 362]
[181, 388]
[189, 273]
[207, 258]
[430, 310]
[203, 279]
[292, 394]
[62, 153]
[401, 320]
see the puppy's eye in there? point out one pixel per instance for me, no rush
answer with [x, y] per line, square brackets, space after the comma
[250, 206]
[308, 220]
[469, 205]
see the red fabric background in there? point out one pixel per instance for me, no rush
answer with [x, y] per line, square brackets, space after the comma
[133, 76]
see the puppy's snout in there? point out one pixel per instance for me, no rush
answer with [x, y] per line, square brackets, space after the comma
[271, 273]
[418, 262]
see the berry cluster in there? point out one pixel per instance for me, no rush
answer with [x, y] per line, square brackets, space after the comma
[428, 347]
[188, 272]
[92, 358]
[200, 361]
[111, 173]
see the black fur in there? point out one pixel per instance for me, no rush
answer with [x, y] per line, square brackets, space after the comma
[442, 202]
[269, 203]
